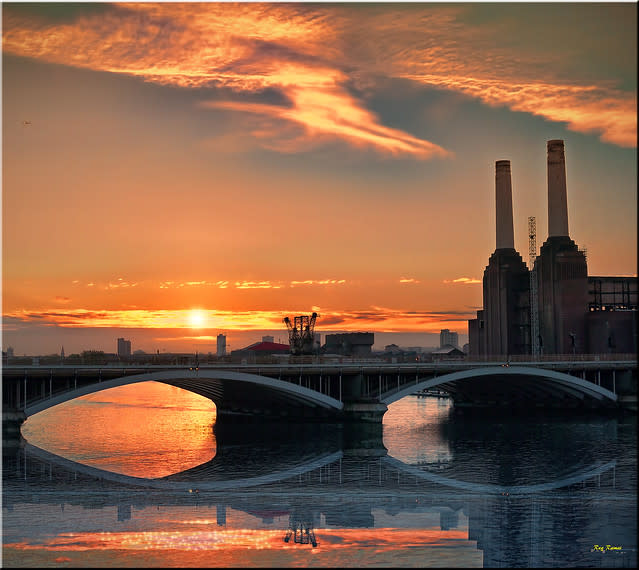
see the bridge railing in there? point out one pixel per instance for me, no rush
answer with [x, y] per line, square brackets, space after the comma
[553, 357]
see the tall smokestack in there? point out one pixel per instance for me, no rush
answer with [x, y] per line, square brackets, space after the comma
[504, 205]
[557, 200]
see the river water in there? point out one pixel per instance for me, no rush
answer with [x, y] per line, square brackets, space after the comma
[136, 477]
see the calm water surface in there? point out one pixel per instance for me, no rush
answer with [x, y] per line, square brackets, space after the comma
[135, 477]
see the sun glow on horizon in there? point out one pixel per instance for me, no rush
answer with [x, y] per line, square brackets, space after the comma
[197, 318]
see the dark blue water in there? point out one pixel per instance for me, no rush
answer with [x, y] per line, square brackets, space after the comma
[438, 489]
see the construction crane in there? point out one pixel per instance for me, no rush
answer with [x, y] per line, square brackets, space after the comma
[301, 333]
[534, 312]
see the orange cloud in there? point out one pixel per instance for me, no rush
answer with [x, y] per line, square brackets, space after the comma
[381, 319]
[182, 284]
[318, 282]
[325, 110]
[310, 53]
[257, 285]
[464, 280]
[247, 48]
[584, 108]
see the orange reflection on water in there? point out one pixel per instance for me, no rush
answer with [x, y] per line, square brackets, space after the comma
[336, 547]
[145, 430]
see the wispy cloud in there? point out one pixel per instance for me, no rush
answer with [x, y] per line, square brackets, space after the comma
[318, 282]
[312, 55]
[120, 283]
[584, 108]
[257, 285]
[247, 48]
[463, 281]
[408, 280]
[183, 284]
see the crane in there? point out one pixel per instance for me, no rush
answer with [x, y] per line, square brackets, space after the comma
[301, 333]
[534, 312]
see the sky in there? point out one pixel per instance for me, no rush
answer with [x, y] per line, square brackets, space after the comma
[175, 171]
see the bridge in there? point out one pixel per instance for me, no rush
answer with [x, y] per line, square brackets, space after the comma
[343, 392]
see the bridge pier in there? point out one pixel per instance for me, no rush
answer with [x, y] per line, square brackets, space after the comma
[363, 412]
[12, 420]
[358, 426]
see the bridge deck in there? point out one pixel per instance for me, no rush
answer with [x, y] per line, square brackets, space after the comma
[322, 389]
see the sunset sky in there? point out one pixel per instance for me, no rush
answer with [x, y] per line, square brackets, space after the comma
[172, 171]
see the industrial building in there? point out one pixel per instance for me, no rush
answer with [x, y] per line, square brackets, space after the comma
[349, 344]
[554, 307]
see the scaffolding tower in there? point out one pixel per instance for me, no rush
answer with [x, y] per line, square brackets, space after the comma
[534, 312]
[301, 334]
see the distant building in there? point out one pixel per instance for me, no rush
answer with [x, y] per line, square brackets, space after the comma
[268, 338]
[447, 337]
[260, 352]
[221, 345]
[611, 320]
[447, 353]
[349, 344]
[124, 348]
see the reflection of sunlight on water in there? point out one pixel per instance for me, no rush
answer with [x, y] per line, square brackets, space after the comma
[141, 430]
[337, 547]
[412, 430]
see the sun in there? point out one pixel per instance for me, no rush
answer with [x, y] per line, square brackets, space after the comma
[197, 318]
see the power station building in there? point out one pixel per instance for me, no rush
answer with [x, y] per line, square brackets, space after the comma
[553, 307]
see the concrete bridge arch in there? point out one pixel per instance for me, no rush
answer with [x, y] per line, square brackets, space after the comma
[524, 385]
[232, 392]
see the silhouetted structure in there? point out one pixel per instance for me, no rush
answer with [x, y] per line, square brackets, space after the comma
[562, 273]
[349, 344]
[259, 352]
[124, 348]
[301, 334]
[570, 304]
[505, 320]
[221, 345]
[447, 337]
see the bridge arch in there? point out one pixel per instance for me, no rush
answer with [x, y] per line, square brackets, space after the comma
[576, 476]
[513, 381]
[203, 481]
[227, 389]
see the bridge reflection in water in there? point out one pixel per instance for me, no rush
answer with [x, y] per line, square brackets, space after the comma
[548, 517]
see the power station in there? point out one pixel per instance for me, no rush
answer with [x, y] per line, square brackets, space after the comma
[553, 307]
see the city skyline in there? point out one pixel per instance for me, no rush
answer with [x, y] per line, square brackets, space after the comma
[176, 171]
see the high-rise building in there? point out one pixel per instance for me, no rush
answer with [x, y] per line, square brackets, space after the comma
[124, 347]
[447, 337]
[221, 345]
